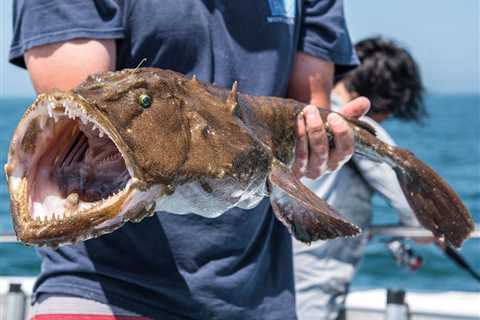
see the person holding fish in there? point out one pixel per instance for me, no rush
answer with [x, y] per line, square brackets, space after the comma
[239, 265]
[390, 78]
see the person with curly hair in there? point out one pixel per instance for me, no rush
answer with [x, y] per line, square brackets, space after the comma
[389, 76]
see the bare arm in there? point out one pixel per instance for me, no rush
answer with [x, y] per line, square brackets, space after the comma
[64, 65]
[311, 80]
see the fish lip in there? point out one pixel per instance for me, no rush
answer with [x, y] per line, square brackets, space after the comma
[74, 229]
[69, 230]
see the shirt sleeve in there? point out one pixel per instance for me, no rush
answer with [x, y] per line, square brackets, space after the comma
[382, 179]
[324, 33]
[41, 22]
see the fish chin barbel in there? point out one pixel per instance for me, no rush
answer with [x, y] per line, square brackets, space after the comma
[123, 144]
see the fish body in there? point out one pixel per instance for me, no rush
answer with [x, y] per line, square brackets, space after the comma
[124, 144]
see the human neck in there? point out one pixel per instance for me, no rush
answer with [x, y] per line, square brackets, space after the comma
[341, 92]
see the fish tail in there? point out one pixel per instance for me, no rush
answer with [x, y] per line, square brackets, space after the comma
[437, 207]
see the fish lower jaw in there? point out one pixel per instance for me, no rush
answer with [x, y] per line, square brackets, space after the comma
[133, 203]
[58, 208]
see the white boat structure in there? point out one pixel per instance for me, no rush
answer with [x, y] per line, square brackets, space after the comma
[451, 305]
[361, 305]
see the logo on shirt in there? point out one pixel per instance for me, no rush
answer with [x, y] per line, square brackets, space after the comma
[282, 11]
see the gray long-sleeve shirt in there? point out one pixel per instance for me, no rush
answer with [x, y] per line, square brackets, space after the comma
[324, 269]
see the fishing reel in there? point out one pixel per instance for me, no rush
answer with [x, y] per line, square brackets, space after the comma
[404, 255]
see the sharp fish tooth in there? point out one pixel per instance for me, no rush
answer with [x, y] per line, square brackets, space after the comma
[42, 122]
[51, 107]
[39, 210]
[73, 199]
[71, 113]
[49, 110]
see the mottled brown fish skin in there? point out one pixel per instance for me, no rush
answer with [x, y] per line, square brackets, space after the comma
[437, 207]
[181, 135]
[203, 112]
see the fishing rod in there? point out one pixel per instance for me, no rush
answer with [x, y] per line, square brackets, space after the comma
[404, 255]
[461, 262]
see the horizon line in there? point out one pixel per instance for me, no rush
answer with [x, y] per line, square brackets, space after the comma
[427, 94]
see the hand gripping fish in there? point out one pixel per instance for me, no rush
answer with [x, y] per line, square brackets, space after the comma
[123, 144]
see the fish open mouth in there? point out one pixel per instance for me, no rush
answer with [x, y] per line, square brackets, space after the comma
[75, 166]
[68, 179]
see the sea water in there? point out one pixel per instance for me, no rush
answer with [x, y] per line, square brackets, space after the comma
[449, 141]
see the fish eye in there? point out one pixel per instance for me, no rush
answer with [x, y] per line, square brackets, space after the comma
[145, 101]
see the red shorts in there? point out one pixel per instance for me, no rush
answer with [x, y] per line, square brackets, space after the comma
[53, 307]
[76, 316]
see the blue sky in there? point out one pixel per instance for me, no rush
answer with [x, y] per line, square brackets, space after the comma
[443, 35]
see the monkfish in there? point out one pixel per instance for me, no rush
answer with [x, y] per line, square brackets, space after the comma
[124, 144]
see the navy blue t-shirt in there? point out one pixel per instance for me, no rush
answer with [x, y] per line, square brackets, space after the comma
[237, 266]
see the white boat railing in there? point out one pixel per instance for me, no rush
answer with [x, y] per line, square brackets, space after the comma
[369, 304]
[8, 238]
[410, 232]
[377, 230]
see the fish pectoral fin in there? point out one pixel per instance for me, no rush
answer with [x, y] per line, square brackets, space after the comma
[306, 216]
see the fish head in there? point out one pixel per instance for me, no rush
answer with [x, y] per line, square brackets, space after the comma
[82, 163]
